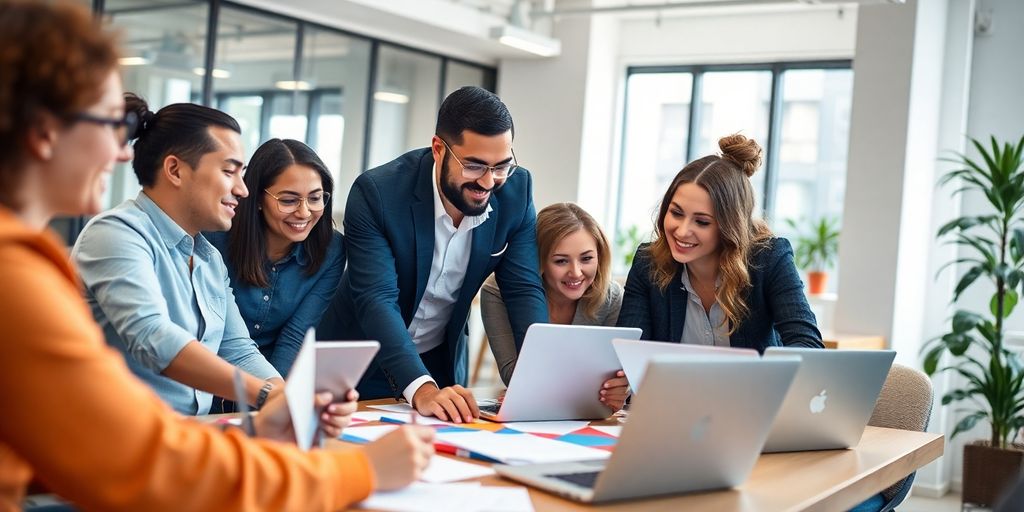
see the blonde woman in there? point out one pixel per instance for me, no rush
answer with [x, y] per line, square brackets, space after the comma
[715, 275]
[575, 265]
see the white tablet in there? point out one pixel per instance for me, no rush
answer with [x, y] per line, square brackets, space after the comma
[340, 365]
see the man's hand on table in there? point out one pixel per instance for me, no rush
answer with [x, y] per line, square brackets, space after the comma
[455, 403]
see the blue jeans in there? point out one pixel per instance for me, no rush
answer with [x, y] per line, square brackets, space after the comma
[872, 504]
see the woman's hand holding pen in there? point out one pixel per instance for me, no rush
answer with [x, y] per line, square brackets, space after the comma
[400, 457]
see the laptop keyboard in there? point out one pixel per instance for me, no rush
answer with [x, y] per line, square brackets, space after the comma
[491, 408]
[581, 479]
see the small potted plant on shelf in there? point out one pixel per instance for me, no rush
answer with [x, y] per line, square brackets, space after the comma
[993, 377]
[815, 250]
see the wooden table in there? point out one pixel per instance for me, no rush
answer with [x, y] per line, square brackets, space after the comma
[820, 480]
[857, 341]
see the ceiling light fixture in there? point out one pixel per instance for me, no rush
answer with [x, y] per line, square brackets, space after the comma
[217, 72]
[294, 85]
[391, 97]
[134, 61]
[527, 41]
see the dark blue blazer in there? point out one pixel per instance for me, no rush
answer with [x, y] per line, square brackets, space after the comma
[389, 237]
[778, 310]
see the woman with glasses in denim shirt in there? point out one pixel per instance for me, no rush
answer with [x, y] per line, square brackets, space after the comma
[283, 255]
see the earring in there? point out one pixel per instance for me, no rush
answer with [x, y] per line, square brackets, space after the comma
[260, 208]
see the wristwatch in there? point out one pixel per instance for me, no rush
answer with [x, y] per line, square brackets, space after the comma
[261, 397]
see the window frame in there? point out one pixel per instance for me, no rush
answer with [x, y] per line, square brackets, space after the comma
[697, 71]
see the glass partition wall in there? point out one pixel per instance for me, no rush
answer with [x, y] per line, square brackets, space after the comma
[357, 100]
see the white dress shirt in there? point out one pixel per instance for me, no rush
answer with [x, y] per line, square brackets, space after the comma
[452, 247]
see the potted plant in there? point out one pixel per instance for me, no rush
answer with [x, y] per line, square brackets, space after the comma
[627, 241]
[816, 249]
[994, 254]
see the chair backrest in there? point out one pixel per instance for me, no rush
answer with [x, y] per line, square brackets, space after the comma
[904, 403]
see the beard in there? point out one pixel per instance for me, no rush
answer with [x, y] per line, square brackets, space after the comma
[454, 193]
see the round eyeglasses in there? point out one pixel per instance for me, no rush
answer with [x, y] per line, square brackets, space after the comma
[475, 171]
[315, 202]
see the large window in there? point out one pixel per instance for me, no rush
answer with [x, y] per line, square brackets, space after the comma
[798, 112]
[812, 144]
[657, 131]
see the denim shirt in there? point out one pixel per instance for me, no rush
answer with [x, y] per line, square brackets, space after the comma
[134, 263]
[279, 315]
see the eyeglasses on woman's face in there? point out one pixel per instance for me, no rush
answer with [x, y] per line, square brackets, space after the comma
[289, 203]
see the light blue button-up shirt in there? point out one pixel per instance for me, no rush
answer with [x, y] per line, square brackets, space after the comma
[134, 263]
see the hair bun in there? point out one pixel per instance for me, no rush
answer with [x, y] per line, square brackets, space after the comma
[133, 103]
[744, 152]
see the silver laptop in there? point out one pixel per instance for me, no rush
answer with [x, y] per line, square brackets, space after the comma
[699, 425]
[634, 355]
[831, 399]
[559, 373]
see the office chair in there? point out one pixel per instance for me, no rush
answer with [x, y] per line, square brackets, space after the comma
[905, 403]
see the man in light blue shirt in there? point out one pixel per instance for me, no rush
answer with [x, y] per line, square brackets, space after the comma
[156, 286]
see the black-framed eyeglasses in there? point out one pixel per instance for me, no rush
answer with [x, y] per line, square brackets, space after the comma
[124, 127]
[315, 202]
[475, 171]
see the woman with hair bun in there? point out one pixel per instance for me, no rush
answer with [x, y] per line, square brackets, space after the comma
[715, 275]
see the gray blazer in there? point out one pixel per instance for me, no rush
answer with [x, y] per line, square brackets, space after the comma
[499, 331]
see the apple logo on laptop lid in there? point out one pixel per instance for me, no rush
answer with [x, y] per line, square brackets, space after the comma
[700, 428]
[817, 403]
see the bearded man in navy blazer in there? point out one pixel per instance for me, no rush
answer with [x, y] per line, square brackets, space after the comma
[423, 232]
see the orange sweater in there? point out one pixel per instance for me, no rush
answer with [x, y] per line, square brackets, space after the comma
[73, 414]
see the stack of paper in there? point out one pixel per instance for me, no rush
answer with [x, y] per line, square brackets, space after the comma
[468, 497]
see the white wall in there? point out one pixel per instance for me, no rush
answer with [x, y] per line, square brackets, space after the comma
[546, 100]
[800, 34]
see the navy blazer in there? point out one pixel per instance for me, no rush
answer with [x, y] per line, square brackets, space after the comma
[778, 310]
[389, 237]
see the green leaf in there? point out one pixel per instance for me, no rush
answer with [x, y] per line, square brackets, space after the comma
[962, 223]
[931, 359]
[964, 321]
[966, 281]
[958, 394]
[1017, 243]
[1014, 278]
[1009, 302]
[967, 423]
